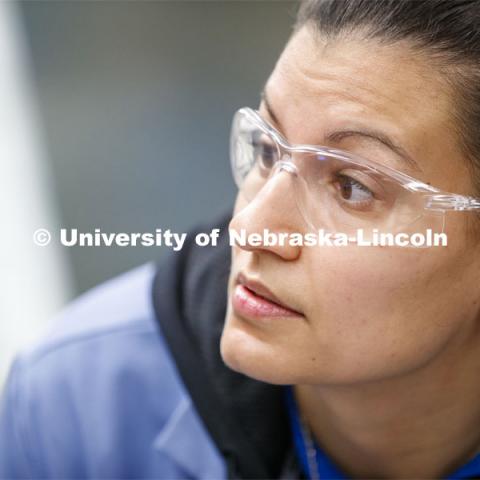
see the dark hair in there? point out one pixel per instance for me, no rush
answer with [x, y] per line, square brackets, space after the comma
[447, 30]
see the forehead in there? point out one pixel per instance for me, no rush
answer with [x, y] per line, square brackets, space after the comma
[346, 83]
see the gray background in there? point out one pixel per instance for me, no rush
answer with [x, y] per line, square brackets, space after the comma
[136, 100]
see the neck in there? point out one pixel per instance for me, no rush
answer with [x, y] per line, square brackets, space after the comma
[423, 424]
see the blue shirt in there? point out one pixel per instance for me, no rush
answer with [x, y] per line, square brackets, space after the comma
[100, 397]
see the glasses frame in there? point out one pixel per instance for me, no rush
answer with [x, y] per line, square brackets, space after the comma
[435, 199]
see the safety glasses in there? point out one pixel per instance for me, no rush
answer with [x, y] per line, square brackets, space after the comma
[334, 190]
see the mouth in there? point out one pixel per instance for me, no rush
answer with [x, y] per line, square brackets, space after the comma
[253, 299]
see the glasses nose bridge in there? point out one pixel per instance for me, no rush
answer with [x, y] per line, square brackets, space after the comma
[285, 164]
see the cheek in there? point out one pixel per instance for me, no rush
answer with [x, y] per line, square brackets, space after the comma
[378, 313]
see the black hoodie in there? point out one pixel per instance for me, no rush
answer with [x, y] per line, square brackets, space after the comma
[246, 418]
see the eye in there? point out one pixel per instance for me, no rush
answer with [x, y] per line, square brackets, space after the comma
[353, 192]
[265, 150]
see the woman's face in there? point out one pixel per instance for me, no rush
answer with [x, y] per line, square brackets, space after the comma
[366, 313]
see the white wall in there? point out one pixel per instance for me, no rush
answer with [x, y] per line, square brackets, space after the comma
[34, 281]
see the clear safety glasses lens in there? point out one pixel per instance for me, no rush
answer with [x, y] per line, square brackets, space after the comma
[331, 192]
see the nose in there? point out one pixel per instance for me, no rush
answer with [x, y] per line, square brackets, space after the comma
[274, 208]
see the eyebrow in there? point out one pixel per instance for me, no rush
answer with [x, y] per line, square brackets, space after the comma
[338, 135]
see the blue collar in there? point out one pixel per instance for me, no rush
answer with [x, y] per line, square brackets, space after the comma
[327, 469]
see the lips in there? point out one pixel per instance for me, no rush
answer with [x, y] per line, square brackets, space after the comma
[252, 298]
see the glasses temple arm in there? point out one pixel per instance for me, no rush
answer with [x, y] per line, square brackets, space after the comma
[452, 202]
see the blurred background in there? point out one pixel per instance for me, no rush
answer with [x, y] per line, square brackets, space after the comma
[116, 115]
